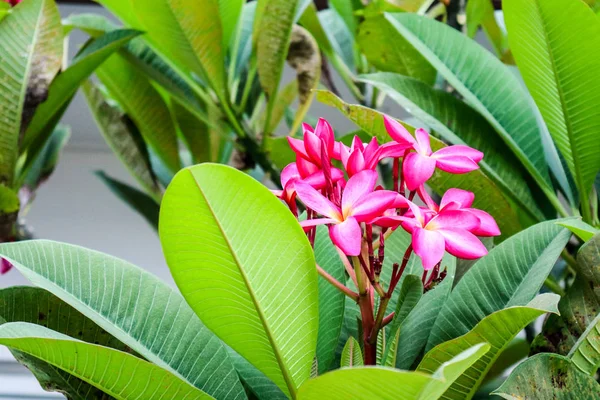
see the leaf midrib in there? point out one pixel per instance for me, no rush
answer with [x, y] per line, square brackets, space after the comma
[286, 374]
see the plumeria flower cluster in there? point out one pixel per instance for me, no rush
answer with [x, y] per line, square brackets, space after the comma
[353, 205]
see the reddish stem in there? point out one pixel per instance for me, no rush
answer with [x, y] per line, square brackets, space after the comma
[337, 284]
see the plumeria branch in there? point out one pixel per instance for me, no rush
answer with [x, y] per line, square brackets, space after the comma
[337, 284]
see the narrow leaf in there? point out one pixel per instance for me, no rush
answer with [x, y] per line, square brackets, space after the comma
[351, 355]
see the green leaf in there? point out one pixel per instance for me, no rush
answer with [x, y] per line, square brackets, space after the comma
[484, 82]
[548, 376]
[119, 374]
[349, 383]
[497, 329]
[574, 332]
[345, 9]
[340, 38]
[254, 380]
[285, 98]
[64, 87]
[150, 317]
[517, 350]
[388, 51]
[487, 195]
[510, 275]
[481, 13]
[331, 300]
[408, 297]
[31, 51]
[187, 33]
[559, 67]
[351, 354]
[274, 33]
[143, 204]
[122, 137]
[47, 160]
[457, 123]
[144, 104]
[38, 306]
[268, 315]
[195, 133]
[230, 11]
[584, 231]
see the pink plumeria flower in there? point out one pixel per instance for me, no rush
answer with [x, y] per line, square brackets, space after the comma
[290, 176]
[458, 199]
[359, 203]
[449, 230]
[13, 2]
[5, 266]
[360, 156]
[309, 150]
[419, 166]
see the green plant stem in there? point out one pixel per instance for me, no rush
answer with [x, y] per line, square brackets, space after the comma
[379, 320]
[342, 288]
[570, 260]
[551, 284]
[556, 202]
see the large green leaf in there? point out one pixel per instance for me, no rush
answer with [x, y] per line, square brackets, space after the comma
[484, 82]
[122, 137]
[548, 376]
[195, 133]
[457, 123]
[46, 161]
[497, 329]
[245, 266]
[387, 50]
[132, 305]
[331, 300]
[584, 231]
[188, 33]
[144, 104]
[510, 275]
[575, 331]
[559, 66]
[254, 380]
[274, 34]
[390, 384]
[38, 306]
[116, 373]
[31, 51]
[487, 195]
[64, 87]
[481, 13]
[230, 11]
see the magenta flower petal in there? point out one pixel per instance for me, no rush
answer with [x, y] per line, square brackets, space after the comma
[5, 266]
[463, 198]
[392, 149]
[371, 150]
[397, 131]
[423, 146]
[357, 144]
[297, 146]
[357, 187]
[312, 143]
[356, 162]
[454, 219]
[307, 128]
[325, 132]
[373, 205]
[460, 150]
[456, 164]
[317, 180]
[314, 222]
[305, 167]
[462, 244]
[429, 246]
[347, 236]
[417, 169]
[393, 221]
[337, 149]
[487, 224]
[289, 173]
[316, 201]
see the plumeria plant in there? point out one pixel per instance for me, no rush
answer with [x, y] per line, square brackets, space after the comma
[360, 213]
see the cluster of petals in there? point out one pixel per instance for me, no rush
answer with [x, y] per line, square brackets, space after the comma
[452, 226]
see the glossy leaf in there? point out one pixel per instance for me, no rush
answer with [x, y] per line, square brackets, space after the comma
[498, 329]
[31, 51]
[38, 306]
[574, 332]
[487, 195]
[510, 275]
[408, 297]
[254, 380]
[144, 105]
[351, 354]
[268, 315]
[457, 123]
[331, 300]
[150, 317]
[548, 376]
[484, 82]
[98, 365]
[388, 51]
[558, 65]
[584, 231]
[64, 87]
